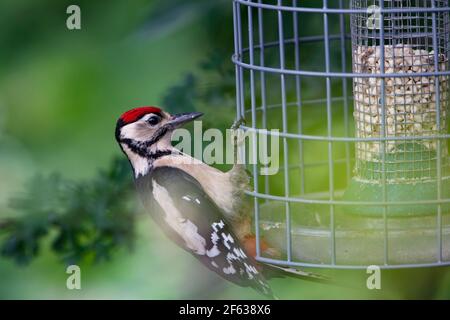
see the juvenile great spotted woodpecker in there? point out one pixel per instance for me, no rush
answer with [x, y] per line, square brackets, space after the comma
[200, 208]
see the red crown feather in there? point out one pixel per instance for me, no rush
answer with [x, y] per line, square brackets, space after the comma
[137, 113]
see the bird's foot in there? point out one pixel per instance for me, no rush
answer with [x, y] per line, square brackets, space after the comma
[238, 135]
[237, 123]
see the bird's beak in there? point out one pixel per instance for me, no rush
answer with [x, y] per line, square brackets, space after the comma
[177, 120]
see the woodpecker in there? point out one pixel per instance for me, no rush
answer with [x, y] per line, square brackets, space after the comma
[191, 202]
[200, 208]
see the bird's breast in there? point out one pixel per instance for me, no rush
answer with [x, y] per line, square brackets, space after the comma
[216, 184]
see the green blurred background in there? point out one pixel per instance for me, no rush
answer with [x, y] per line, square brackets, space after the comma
[61, 92]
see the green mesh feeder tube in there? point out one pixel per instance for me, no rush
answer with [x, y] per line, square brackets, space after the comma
[406, 107]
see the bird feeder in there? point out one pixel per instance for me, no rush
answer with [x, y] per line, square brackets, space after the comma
[403, 105]
[365, 170]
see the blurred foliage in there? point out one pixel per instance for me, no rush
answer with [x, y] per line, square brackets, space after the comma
[183, 95]
[210, 88]
[85, 220]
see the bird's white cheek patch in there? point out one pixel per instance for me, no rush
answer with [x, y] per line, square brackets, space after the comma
[136, 131]
[183, 227]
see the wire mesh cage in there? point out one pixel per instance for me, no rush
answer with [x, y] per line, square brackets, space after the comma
[359, 92]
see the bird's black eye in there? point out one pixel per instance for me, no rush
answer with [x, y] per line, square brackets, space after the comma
[153, 120]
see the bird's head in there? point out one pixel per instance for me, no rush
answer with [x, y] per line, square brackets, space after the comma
[142, 131]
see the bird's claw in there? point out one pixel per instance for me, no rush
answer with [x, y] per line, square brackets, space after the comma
[237, 123]
[238, 138]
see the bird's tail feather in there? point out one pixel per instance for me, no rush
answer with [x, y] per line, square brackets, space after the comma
[275, 271]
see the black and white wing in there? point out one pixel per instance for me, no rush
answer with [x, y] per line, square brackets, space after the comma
[191, 219]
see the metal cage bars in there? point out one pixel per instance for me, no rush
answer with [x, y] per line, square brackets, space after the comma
[250, 10]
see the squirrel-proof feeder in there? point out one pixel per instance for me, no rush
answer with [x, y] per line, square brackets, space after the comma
[363, 122]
